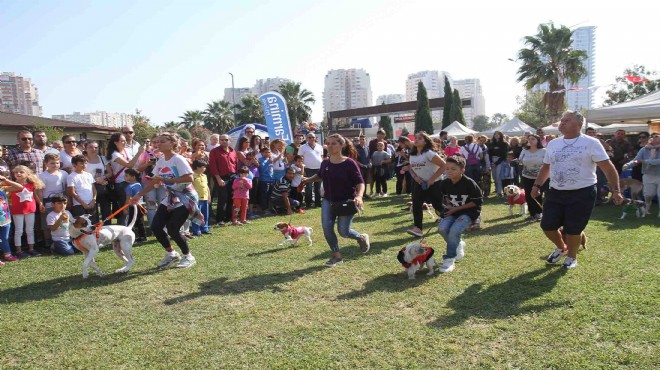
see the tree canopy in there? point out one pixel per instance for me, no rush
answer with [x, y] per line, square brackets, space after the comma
[626, 90]
[423, 120]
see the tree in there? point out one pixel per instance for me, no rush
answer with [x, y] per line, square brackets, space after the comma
[480, 123]
[550, 58]
[218, 117]
[446, 110]
[423, 120]
[201, 133]
[142, 127]
[456, 113]
[386, 124]
[632, 90]
[298, 102]
[532, 109]
[250, 110]
[185, 134]
[192, 118]
[171, 126]
[52, 133]
[498, 119]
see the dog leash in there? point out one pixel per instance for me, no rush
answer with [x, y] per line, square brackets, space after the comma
[423, 238]
[537, 202]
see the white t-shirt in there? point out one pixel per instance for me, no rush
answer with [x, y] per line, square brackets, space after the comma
[298, 177]
[54, 183]
[62, 232]
[573, 162]
[96, 169]
[279, 164]
[312, 157]
[132, 150]
[422, 165]
[116, 167]
[84, 184]
[532, 162]
[65, 160]
[176, 166]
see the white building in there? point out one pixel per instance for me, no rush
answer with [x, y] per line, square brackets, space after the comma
[390, 99]
[346, 89]
[237, 94]
[584, 38]
[265, 85]
[433, 81]
[99, 118]
[19, 95]
[471, 89]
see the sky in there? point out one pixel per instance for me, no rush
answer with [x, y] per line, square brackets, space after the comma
[167, 57]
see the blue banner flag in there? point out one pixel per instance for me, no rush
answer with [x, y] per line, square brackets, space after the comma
[277, 116]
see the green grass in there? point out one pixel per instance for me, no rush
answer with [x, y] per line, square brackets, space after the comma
[250, 303]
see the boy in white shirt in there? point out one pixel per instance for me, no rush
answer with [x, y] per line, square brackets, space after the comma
[80, 187]
[58, 222]
[54, 184]
[299, 170]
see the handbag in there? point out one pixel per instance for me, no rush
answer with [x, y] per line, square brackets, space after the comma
[343, 208]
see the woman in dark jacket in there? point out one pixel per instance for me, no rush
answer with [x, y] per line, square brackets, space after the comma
[497, 149]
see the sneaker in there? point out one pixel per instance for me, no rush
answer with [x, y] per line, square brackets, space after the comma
[556, 255]
[34, 253]
[236, 223]
[569, 263]
[364, 243]
[447, 265]
[384, 195]
[246, 222]
[334, 261]
[10, 258]
[169, 259]
[221, 223]
[460, 251]
[538, 217]
[23, 255]
[187, 261]
[415, 231]
[300, 211]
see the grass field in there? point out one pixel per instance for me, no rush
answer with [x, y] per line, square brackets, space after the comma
[249, 303]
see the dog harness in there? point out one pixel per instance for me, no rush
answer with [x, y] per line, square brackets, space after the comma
[428, 253]
[294, 232]
[78, 243]
[519, 199]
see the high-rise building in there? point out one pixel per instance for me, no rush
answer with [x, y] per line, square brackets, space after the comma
[433, 81]
[237, 94]
[19, 95]
[346, 89]
[99, 118]
[471, 89]
[265, 85]
[584, 38]
[390, 99]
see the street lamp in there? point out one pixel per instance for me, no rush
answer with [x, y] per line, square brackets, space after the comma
[233, 96]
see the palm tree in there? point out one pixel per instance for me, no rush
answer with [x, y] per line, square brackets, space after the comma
[171, 126]
[192, 118]
[249, 111]
[551, 59]
[298, 101]
[218, 117]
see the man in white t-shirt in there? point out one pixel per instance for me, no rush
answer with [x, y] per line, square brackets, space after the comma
[312, 153]
[132, 146]
[570, 163]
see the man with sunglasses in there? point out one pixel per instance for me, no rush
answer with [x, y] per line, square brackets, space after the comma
[312, 154]
[26, 152]
[132, 146]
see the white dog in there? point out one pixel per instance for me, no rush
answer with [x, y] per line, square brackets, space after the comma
[425, 207]
[89, 239]
[413, 256]
[515, 195]
[293, 234]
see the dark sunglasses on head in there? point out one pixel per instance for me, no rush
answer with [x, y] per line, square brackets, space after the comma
[26, 138]
[128, 132]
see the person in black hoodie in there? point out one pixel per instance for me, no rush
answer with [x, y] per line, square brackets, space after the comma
[497, 149]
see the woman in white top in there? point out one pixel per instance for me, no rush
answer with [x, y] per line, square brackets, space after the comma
[70, 151]
[531, 158]
[426, 167]
[96, 166]
[120, 162]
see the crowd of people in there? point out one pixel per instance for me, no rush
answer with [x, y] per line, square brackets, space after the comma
[45, 186]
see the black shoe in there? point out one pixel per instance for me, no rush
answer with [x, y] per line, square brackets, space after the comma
[141, 240]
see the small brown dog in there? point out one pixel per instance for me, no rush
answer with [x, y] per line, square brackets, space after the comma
[583, 238]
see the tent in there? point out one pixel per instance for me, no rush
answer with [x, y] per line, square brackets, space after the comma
[457, 129]
[553, 129]
[628, 127]
[640, 110]
[237, 132]
[515, 127]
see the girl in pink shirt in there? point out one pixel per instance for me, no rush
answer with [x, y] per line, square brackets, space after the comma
[241, 186]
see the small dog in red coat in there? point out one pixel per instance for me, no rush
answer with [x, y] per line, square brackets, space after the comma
[413, 256]
[515, 196]
[292, 233]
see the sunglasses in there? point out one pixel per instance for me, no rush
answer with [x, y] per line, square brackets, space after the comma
[70, 142]
[128, 132]
[26, 139]
[224, 139]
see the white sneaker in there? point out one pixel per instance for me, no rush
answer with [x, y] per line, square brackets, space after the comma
[188, 260]
[447, 265]
[169, 259]
[460, 251]
[569, 263]
[384, 195]
[555, 256]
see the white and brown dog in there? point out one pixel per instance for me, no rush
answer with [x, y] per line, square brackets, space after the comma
[638, 207]
[89, 239]
[425, 207]
[515, 196]
[292, 234]
[413, 256]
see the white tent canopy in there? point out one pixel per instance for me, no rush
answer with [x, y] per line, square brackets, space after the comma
[514, 127]
[640, 110]
[628, 127]
[457, 129]
[553, 129]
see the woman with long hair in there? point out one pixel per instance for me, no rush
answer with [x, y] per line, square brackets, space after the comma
[174, 173]
[426, 167]
[497, 150]
[119, 162]
[532, 160]
[256, 143]
[401, 154]
[349, 150]
[342, 183]
[146, 165]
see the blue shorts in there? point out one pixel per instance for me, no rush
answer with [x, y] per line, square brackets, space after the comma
[570, 209]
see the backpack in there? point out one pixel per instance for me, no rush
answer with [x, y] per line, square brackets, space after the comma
[472, 158]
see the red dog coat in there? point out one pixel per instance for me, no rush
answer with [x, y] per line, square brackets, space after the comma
[519, 200]
[428, 253]
[294, 232]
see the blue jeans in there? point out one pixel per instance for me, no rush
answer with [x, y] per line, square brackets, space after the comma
[204, 208]
[4, 238]
[497, 179]
[343, 226]
[451, 228]
[62, 247]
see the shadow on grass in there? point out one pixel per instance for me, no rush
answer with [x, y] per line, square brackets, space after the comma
[53, 288]
[392, 283]
[257, 283]
[503, 300]
[503, 228]
[377, 247]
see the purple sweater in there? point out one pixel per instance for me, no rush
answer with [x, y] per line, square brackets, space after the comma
[340, 180]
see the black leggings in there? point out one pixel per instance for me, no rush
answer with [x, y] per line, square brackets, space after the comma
[533, 207]
[432, 195]
[173, 220]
